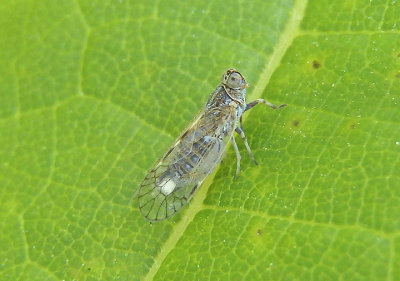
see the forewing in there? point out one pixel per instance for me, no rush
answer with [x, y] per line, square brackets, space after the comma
[172, 182]
[155, 203]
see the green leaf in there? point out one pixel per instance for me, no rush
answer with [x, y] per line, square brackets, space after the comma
[93, 93]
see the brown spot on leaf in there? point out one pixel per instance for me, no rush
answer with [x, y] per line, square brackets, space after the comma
[259, 232]
[316, 64]
[398, 74]
[296, 123]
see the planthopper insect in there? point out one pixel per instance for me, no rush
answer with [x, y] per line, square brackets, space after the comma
[171, 183]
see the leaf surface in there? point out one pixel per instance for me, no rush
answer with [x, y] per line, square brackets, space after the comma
[93, 93]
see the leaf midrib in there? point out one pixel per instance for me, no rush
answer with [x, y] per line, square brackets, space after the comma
[291, 31]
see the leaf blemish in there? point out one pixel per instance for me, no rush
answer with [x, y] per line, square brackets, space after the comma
[296, 123]
[259, 232]
[316, 64]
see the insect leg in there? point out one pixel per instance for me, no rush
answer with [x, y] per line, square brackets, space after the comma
[241, 122]
[238, 157]
[242, 135]
[257, 101]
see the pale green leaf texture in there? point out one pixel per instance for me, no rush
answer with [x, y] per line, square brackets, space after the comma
[93, 92]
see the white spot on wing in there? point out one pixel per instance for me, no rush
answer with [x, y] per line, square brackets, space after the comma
[167, 186]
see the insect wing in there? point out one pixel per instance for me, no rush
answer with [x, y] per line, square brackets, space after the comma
[155, 201]
[172, 182]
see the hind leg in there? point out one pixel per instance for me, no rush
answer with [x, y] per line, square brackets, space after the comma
[238, 157]
[243, 136]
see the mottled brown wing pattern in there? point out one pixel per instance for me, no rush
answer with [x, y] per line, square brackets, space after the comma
[172, 182]
[154, 204]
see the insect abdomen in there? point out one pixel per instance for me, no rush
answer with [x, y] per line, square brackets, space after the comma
[189, 158]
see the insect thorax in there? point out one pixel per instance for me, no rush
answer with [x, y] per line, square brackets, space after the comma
[223, 96]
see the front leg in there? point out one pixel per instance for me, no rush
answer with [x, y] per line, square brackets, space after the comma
[257, 101]
[239, 130]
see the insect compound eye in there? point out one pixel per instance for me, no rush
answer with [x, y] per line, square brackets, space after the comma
[235, 80]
